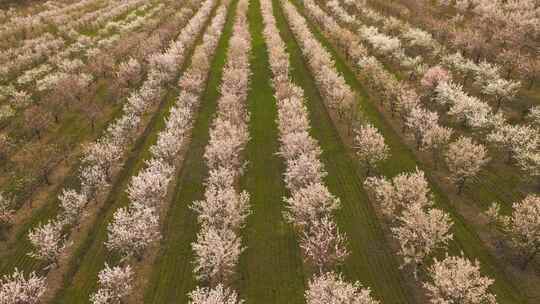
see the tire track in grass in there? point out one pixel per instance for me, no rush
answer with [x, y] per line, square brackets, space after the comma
[90, 257]
[271, 268]
[403, 159]
[172, 278]
[371, 260]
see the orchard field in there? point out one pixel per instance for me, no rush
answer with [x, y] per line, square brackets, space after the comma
[270, 151]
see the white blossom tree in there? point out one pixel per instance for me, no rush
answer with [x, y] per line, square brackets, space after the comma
[6, 211]
[149, 187]
[304, 170]
[514, 139]
[17, 289]
[72, 204]
[370, 147]
[523, 226]
[216, 254]
[115, 284]
[534, 116]
[129, 73]
[310, 204]
[93, 180]
[218, 295]
[465, 159]
[403, 190]
[421, 121]
[132, 230]
[48, 241]
[322, 245]
[528, 159]
[501, 90]
[223, 208]
[457, 280]
[298, 143]
[435, 139]
[102, 154]
[420, 233]
[331, 288]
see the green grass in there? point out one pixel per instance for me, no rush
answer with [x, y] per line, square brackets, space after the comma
[403, 159]
[371, 260]
[270, 270]
[172, 276]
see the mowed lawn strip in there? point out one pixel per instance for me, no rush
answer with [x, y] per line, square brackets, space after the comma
[403, 159]
[270, 270]
[371, 260]
[90, 257]
[172, 277]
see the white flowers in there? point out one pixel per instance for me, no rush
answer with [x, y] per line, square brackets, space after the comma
[217, 295]
[404, 190]
[115, 283]
[224, 209]
[132, 230]
[16, 288]
[311, 206]
[135, 227]
[48, 241]
[420, 233]
[370, 147]
[331, 288]
[6, 211]
[523, 225]
[457, 280]
[465, 159]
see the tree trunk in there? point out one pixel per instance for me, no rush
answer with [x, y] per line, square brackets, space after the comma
[499, 103]
[461, 185]
[531, 83]
[528, 259]
[46, 178]
[509, 156]
[435, 159]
